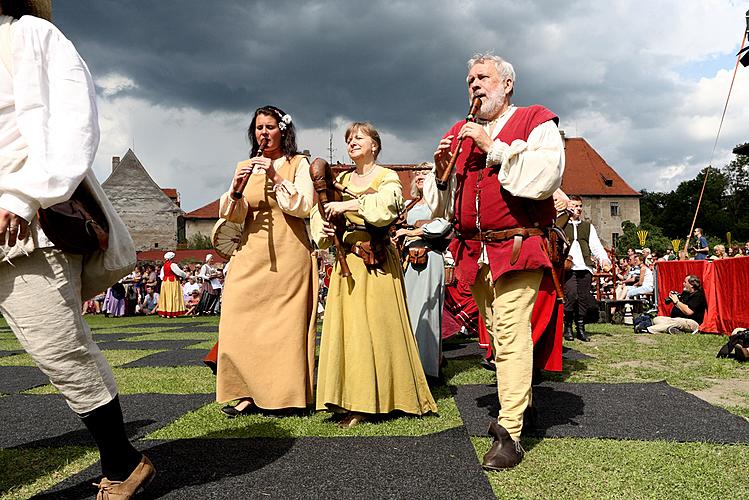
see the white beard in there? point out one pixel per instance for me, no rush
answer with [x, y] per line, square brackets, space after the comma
[491, 104]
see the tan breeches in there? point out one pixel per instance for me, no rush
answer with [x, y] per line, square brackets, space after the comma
[40, 299]
[506, 306]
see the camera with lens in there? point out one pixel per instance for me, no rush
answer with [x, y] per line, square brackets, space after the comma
[668, 299]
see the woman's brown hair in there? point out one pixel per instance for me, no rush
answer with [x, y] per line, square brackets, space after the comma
[369, 130]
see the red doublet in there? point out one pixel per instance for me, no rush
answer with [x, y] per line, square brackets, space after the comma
[168, 273]
[480, 198]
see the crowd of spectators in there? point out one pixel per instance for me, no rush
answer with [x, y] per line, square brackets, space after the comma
[138, 292]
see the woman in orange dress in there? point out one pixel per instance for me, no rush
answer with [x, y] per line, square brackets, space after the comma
[270, 295]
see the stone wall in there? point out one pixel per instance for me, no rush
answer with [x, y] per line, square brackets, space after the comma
[598, 210]
[195, 226]
[148, 213]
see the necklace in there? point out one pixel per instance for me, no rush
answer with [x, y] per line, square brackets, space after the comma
[365, 174]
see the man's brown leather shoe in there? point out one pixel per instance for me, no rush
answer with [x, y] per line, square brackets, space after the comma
[140, 478]
[505, 452]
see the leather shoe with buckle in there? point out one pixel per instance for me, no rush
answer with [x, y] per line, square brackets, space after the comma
[505, 452]
[138, 480]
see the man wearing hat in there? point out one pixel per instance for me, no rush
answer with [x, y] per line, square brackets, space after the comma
[42, 162]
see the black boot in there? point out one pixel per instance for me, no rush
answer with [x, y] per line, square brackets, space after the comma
[118, 457]
[580, 326]
[505, 452]
[568, 329]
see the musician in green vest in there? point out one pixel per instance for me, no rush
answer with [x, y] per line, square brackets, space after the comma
[585, 249]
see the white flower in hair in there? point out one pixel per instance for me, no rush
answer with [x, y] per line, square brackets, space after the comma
[285, 121]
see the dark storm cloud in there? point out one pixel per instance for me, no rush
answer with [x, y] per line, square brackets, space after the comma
[401, 64]
[396, 65]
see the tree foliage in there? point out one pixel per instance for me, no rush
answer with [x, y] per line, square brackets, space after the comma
[199, 241]
[655, 240]
[723, 208]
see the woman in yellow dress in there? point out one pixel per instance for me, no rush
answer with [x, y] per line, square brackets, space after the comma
[266, 353]
[369, 361]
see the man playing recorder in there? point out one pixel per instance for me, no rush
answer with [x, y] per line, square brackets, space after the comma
[499, 195]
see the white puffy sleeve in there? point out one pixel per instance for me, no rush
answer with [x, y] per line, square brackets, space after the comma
[55, 104]
[530, 169]
[296, 197]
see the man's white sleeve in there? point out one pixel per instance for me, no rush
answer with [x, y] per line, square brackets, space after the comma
[56, 114]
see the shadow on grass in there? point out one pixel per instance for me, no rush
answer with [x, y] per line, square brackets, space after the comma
[204, 462]
[565, 409]
[82, 436]
[569, 367]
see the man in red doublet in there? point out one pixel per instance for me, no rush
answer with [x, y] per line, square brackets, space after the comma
[498, 195]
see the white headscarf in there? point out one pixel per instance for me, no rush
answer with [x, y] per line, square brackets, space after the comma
[169, 256]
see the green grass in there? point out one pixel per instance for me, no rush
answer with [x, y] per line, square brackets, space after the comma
[156, 380]
[206, 336]
[684, 361]
[601, 469]
[553, 468]
[209, 422]
[206, 345]
[10, 344]
[467, 371]
[114, 357]
[25, 472]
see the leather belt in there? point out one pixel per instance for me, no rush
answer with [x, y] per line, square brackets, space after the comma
[517, 234]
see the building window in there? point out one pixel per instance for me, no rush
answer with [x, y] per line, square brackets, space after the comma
[614, 209]
[615, 240]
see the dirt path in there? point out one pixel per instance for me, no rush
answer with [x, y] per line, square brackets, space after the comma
[727, 392]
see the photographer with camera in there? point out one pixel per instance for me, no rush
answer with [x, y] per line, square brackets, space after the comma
[688, 309]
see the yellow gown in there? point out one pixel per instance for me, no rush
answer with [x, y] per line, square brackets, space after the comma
[369, 360]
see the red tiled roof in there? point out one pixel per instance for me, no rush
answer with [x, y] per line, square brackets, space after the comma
[586, 173]
[180, 255]
[172, 194]
[209, 211]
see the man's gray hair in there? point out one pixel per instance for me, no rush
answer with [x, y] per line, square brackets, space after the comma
[504, 69]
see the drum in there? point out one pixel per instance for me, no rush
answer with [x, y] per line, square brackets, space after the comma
[226, 237]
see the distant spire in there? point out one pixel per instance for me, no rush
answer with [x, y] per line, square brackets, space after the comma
[330, 141]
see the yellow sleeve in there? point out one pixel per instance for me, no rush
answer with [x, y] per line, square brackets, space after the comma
[381, 207]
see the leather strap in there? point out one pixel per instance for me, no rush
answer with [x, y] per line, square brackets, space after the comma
[506, 234]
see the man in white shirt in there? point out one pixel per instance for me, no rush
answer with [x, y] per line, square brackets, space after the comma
[584, 250]
[49, 134]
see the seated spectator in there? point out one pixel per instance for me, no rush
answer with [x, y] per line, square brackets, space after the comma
[688, 310]
[90, 307]
[150, 302]
[114, 301]
[719, 252]
[645, 282]
[190, 286]
[733, 251]
[746, 248]
[192, 303]
[622, 274]
[647, 256]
